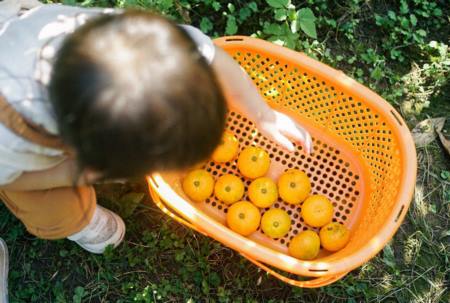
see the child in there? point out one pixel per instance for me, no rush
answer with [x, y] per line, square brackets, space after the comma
[127, 92]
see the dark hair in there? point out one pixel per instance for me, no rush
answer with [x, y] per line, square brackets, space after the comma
[132, 94]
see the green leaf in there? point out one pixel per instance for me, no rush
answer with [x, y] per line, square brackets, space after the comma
[253, 6]
[272, 29]
[244, 13]
[285, 37]
[231, 27]
[421, 32]
[437, 12]
[165, 4]
[388, 256]
[417, 38]
[205, 287]
[307, 22]
[379, 20]
[391, 15]
[79, 294]
[280, 14]
[445, 174]
[278, 3]
[214, 279]
[206, 25]
[404, 22]
[179, 256]
[292, 14]
[331, 22]
[231, 7]
[216, 6]
[377, 73]
[403, 7]
[413, 19]
[291, 40]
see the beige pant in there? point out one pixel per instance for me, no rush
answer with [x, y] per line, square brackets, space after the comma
[54, 213]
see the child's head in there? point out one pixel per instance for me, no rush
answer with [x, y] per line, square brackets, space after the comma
[132, 94]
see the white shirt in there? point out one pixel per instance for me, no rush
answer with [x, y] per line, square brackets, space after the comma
[28, 43]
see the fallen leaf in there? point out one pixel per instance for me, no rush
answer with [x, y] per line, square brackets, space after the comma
[425, 131]
[444, 133]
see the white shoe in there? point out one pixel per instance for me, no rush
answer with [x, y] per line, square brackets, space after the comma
[104, 229]
[3, 272]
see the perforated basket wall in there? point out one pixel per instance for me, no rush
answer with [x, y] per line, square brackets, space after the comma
[332, 172]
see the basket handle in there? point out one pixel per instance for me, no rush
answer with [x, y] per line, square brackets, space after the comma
[313, 283]
[159, 202]
[318, 282]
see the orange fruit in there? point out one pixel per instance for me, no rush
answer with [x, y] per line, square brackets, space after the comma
[275, 223]
[334, 236]
[253, 162]
[305, 245]
[229, 188]
[294, 186]
[198, 185]
[263, 192]
[227, 149]
[243, 217]
[317, 211]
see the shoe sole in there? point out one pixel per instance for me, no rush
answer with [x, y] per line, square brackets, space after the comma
[4, 263]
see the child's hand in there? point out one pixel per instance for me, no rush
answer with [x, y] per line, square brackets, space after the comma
[243, 96]
[280, 128]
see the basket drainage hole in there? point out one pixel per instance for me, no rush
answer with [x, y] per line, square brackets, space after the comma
[396, 118]
[399, 213]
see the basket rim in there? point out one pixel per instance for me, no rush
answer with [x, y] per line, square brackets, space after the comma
[267, 255]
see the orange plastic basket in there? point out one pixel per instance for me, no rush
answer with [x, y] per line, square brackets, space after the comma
[364, 161]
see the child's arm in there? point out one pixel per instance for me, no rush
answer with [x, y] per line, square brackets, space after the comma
[244, 96]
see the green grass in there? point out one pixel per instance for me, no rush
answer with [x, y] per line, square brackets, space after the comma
[162, 261]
